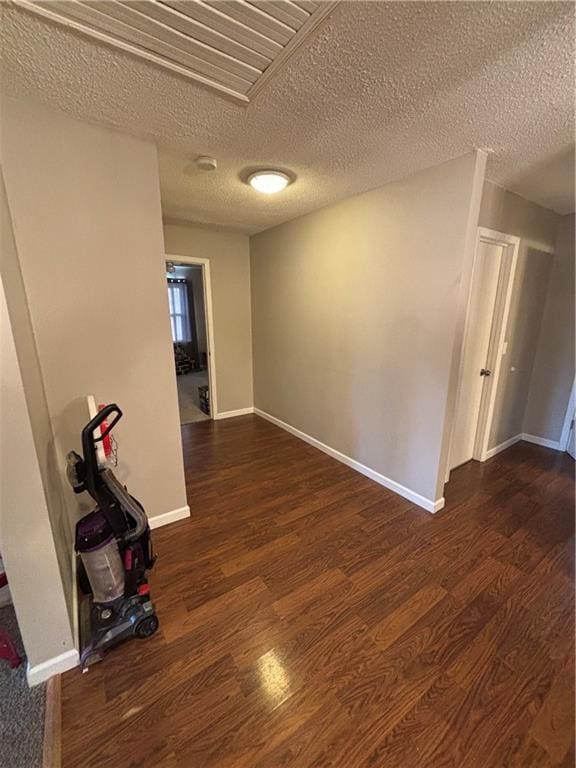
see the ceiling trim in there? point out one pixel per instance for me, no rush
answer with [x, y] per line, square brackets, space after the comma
[93, 21]
[292, 46]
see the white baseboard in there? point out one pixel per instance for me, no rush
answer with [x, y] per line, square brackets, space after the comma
[436, 505]
[502, 447]
[543, 441]
[392, 485]
[169, 517]
[47, 669]
[232, 414]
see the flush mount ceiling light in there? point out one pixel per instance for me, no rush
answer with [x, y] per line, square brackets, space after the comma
[269, 182]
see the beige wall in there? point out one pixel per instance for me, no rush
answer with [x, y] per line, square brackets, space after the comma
[356, 309]
[85, 205]
[26, 541]
[536, 227]
[229, 257]
[553, 371]
[37, 405]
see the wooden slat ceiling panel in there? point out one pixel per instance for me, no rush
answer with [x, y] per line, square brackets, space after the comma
[252, 17]
[225, 25]
[226, 44]
[122, 32]
[200, 32]
[139, 21]
[307, 5]
[282, 10]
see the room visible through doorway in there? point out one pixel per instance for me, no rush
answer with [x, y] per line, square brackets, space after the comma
[187, 303]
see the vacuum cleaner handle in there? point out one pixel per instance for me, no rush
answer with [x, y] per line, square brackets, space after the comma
[89, 442]
[101, 416]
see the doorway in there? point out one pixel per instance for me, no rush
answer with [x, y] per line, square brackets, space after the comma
[568, 436]
[189, 301]
[484, 344]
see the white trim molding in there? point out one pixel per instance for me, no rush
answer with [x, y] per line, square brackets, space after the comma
[232, 414]
[499, 331]
[498, 336]
[459, 338]
[555, 445]
[47, 669]
[568, 418]
[392, 485]
[169, 517]
[502, 447]
[543, 441]
[209, 312]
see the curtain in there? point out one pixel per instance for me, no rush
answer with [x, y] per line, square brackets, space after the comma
[179, 312]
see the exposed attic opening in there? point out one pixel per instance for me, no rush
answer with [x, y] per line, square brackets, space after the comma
[231, 46]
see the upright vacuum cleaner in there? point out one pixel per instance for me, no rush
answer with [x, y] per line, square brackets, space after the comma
[114, 546]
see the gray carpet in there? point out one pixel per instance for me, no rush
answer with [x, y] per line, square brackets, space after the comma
[188, 399]
[21, 708]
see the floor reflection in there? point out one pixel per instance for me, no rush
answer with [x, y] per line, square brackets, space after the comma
[275, 678]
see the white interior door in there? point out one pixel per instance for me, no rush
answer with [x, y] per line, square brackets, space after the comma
[480, 318]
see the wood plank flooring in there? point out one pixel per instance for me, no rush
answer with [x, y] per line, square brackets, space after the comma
[310, 618]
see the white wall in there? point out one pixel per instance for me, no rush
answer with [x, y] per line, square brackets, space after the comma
[229, 256]
[357, 314]
[85, 204]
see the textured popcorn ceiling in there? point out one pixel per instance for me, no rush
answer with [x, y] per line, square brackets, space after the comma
[381, 90]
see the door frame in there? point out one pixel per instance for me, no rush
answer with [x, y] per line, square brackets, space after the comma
[207, 282]
[498, 342]
[568, 416]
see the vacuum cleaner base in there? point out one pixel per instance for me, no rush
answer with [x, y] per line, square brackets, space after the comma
[111, 624]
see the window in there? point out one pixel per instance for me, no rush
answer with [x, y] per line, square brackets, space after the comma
[179, 314]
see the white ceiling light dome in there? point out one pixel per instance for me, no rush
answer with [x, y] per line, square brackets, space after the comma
[269, 181]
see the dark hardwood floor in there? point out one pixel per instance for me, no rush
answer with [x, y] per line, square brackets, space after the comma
[311, 618]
